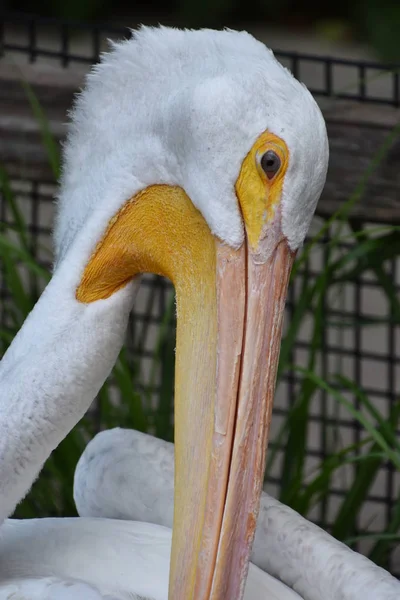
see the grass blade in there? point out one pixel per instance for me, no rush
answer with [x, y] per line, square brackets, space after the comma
[296, 445]
[387, 537]
[130, 398]
[163, 422]
[374, 433]
[7, 248]
[51, 146]
[9, 197]
[380, 551]
[14, 283]
[318, 488]
[306, 298]
[387, 427]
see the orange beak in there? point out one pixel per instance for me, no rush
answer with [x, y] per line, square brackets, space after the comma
[228, 464]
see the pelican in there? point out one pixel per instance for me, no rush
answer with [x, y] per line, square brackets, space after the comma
[125, 474]
[197, 156]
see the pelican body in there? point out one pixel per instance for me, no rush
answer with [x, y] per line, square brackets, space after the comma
[197, 156]
[125, 474]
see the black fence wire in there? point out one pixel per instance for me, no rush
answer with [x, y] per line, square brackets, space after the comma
[21, 33]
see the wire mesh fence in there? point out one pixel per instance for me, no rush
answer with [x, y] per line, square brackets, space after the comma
[25, 35]
[360, 339]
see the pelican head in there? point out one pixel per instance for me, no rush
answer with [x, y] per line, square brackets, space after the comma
[197, 156]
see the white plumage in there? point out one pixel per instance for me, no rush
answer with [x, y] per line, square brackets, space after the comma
[98, 559]
[126, 474]
[184, 108]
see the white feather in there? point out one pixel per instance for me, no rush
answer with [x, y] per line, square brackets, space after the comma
[93, 559]
[287, 546]
[184, 108]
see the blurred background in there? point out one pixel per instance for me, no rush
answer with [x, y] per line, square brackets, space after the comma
[375, 23]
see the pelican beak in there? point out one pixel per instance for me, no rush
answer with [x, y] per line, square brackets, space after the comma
[227, 375]
[230, 305]
[214, 526]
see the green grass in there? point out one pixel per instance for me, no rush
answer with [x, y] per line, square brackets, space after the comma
[301, 487]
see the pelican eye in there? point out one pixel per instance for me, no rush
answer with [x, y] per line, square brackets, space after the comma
[270, 163]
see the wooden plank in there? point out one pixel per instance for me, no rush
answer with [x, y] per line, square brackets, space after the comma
[356, 132]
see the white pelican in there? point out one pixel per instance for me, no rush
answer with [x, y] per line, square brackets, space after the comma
[125, 474]
[196, 155]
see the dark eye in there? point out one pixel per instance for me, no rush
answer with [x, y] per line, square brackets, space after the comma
[270, 163]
